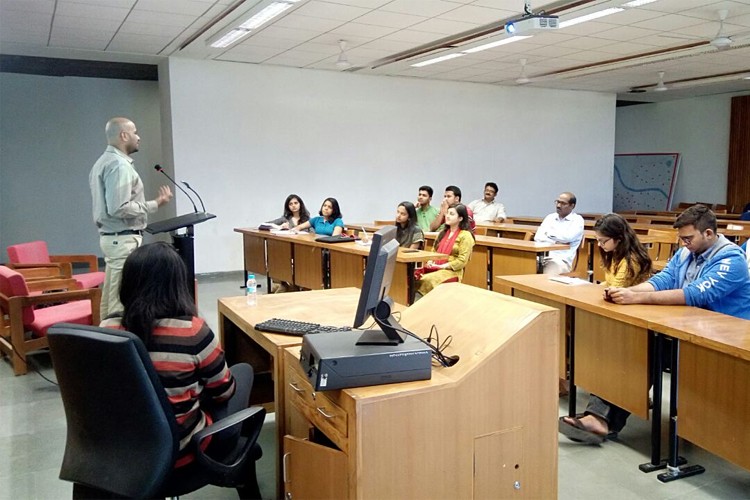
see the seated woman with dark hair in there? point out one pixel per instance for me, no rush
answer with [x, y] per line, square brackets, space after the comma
[408, 233]
[185, 352]
[295, 213]
[329, 222]
[455, 241]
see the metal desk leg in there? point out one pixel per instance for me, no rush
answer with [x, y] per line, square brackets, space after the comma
[674, 466]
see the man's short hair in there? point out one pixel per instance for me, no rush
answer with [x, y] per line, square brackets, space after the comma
[699, 216]
[455, 190]
[426, 188]
[493, 186]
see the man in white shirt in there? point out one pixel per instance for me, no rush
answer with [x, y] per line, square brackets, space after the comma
[487, 210]
[563, 226]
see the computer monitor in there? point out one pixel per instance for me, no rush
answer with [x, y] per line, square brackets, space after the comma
[373, 299]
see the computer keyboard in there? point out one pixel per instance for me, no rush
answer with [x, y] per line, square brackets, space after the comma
[299, 328]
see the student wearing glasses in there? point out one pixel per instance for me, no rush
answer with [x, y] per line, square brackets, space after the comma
[563, 226]
[626, 263]
[328, 223]
[709, 271]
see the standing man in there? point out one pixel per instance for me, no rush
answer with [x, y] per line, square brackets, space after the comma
[487, 210]
[564, 226]
[451, 196]
[426, 213]
[119, 207]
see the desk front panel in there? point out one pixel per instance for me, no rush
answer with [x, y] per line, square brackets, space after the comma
[563, 327]
[255, 253]
[347, 270]
[714, 402]
[507, 262]
[308, 267]
[280, 260]
[475, 272]
[611, 361]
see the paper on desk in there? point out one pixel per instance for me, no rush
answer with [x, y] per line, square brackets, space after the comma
[283, 231]
[568, 280]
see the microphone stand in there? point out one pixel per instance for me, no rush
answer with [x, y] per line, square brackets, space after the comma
[161, 171]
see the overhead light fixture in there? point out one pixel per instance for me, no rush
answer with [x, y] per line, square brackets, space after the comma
[637, 3]
[256, 20]
[438, 59]
[498, 43]
[342, 61]
[590, 17]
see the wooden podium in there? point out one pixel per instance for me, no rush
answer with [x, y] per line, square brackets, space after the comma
[484, 428]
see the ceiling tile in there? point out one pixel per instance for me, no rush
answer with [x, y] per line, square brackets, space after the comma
[295, 20]
[390, 19]
[31, 6]
[424, 8]
[668, 22]
[367, 31]
[188, 7]
[287, 33]
[476, 15]
[412, 36]
[150, 29]
[74, 42]
[91, 11]
[161, 18]
[625, 33]
[442, 26]
[326, 10]
[368, 4]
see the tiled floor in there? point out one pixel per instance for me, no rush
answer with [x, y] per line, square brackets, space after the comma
[32, 439]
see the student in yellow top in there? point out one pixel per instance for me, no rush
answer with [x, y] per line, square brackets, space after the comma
[626, 263]
[455, 241]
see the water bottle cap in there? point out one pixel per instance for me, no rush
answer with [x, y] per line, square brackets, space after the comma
[251, 276]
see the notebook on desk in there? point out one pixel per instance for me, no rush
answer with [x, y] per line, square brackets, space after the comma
[342, 238]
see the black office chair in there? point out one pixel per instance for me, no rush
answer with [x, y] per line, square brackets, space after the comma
[122, 436]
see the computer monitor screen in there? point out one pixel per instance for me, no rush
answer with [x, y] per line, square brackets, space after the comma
[373, 299]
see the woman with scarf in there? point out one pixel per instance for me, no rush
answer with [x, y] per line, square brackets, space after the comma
[408, 233]
[456, 242]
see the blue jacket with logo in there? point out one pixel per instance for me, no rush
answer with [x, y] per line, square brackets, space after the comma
[722, 285]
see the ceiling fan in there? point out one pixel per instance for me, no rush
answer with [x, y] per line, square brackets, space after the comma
[522, 78]
[721, 41]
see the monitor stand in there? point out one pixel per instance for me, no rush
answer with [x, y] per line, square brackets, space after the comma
[391, 332]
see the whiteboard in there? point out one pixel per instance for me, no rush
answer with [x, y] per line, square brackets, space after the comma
[644, 181]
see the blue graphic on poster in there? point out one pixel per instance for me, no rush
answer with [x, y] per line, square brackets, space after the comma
[644, 181]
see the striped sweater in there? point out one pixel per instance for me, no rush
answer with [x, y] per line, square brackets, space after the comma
[190, 363]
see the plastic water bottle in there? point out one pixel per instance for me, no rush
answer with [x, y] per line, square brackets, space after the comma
[251, 290]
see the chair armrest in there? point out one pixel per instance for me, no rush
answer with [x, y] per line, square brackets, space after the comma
[54, 284]
[56, 297]
[43, 270]
[91, 260]
[257, 413]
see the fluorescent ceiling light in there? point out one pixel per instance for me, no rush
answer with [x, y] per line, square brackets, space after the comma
[437, 59]
[590, 17]
[637, 3]
[498, 43]
[255, 21]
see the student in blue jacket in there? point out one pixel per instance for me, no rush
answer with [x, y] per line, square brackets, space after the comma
[709, 271]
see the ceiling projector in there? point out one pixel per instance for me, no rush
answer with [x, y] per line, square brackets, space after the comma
[528, 25]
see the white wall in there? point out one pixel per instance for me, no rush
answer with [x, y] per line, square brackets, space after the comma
[696, 128]
[51, 133]
[246, 136]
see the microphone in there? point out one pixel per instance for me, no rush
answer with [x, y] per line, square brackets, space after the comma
[161, 171]
[196, 194]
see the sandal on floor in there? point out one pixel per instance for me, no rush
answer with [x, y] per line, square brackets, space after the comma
[577, 432]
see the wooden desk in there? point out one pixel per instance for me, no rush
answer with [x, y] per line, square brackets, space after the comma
[473, 431]
[609, 354]
[242, 343]
[502, 256]
[313, 265]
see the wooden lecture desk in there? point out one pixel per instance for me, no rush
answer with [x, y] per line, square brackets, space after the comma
[242, 343]
[299, 259]
[389, 441]
[610, 346]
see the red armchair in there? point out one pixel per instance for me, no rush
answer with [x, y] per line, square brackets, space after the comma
[35, 254]
[23, 327]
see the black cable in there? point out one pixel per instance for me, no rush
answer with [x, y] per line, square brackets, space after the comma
[437, 354]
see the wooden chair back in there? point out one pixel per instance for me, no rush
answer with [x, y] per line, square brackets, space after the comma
[664, 245]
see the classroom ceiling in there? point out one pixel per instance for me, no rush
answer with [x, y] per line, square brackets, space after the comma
[621, 53]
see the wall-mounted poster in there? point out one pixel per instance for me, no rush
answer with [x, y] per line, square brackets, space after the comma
[644, 181]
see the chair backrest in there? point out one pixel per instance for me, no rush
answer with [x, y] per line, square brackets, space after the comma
[664, 245]
[33, 252]
[122, 435]
[13, 284]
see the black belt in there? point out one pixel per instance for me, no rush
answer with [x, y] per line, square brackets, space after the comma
[121, 233]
